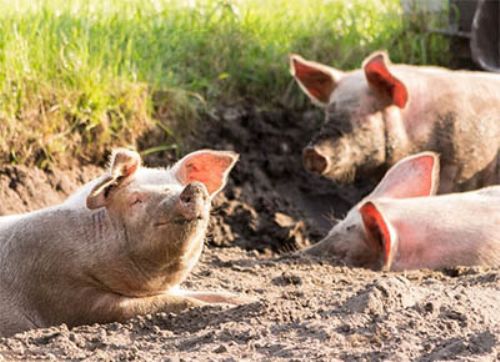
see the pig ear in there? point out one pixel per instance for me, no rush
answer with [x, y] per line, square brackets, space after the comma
[383, 81]
[413, 176]
[317, 80]
[206, 166]
[381, 236]
[123, 163]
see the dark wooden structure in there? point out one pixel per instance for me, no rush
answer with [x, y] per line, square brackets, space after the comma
[475, 29]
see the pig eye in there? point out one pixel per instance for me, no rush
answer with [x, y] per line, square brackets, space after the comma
[136, 199]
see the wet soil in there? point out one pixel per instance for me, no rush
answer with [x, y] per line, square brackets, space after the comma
[272, 202]
[304, 308]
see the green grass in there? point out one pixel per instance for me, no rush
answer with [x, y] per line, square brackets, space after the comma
[80, 76]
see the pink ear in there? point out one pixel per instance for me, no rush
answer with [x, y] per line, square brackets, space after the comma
[124, 162]
[206, 166]
[380, 237]
[413, 176]
[317, 80]
[382, 81]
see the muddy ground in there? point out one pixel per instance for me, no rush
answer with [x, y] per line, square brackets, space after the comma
[305, 308]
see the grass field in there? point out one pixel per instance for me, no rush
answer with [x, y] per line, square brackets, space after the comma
[79, 76]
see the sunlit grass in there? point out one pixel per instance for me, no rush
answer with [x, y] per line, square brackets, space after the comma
[79, 76]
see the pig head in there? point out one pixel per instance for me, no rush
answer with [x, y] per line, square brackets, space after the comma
[376, 115]
[161, 223]
[401, 225]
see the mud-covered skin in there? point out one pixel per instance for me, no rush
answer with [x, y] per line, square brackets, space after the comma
[122, 255]
[383, 112]
[353, 141]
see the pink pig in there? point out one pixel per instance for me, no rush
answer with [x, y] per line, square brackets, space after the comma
[117, 248]
[376, 115]
[402, 225]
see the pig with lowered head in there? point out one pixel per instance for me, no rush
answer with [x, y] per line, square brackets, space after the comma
[377, 115]
[402, 225]
[124, 254]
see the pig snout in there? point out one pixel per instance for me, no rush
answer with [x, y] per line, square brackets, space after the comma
[315, 161]
[192, 201]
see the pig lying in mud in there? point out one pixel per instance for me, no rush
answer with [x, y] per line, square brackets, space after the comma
[124, 254]
[401, 225]
[377, 115]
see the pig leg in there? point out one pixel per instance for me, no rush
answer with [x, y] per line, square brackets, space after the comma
[173, 302]
[216, 297]
[108, 309]
[14, 323]
[105, 308]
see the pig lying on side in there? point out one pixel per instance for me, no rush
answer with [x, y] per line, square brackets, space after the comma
[401, 225]
[124, 254]
[377, 115]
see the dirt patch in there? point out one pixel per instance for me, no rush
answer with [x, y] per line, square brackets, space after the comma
[25, 189]
[305, 308]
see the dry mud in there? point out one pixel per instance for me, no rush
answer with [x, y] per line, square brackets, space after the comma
[304, 308]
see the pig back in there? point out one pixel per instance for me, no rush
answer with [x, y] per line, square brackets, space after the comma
[447, 230]
[456, 114]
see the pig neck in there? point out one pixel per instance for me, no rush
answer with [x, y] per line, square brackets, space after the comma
[129, 270]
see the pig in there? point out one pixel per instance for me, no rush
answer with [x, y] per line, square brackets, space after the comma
[377, 115]
[118, 248]
[403, 225]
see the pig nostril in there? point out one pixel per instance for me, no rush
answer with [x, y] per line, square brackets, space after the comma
[187, 194]
[192, 192]
[314, 161]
